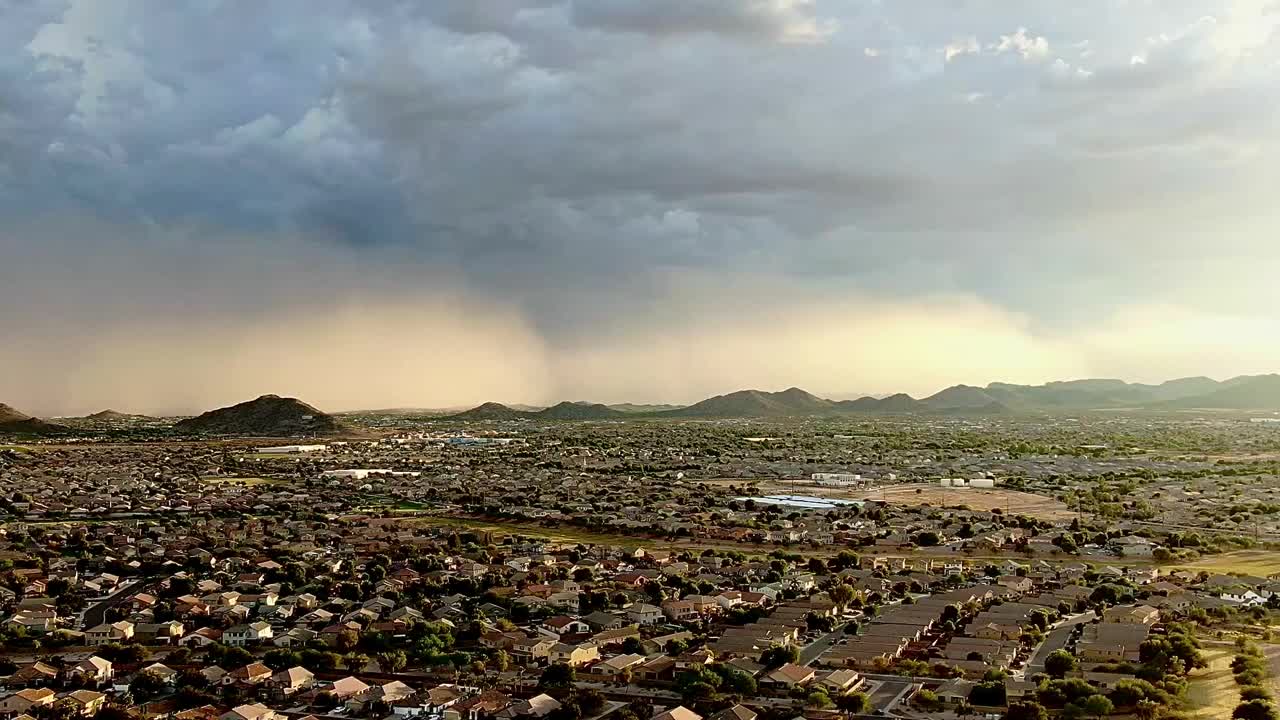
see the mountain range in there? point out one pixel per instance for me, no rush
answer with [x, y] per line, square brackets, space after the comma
[271, 415]
[1257, 392]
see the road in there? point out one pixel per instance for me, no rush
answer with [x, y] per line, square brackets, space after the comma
[1056, 639]
[810, 652]
[96, 614]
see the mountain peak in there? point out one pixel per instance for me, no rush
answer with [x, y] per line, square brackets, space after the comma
[267, 415]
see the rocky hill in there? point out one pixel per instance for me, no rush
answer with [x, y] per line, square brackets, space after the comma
[16, 422]
[1260, 392]
[491, 411]
[579, 411]
[269, 415]
[757, 403]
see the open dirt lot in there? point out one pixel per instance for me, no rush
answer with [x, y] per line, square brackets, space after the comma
[1010, 501]
[1262, 563]
[1212, 693]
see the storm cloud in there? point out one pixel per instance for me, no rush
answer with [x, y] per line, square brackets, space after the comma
[394, 203]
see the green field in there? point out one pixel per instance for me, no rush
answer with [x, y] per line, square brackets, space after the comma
[1263, 563]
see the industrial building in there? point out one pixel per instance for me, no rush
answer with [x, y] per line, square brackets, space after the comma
[963, 483]
[836, 479]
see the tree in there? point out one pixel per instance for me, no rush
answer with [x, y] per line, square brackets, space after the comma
[1026, 710]
[347, 640]
[1097, 705]
[1147, 710]
[591, 702]
[145, 686]
[841, 595]
[1059, 663]
[280, 659]
[779, 655]
[1255, 710]
[818, 699]
[856, 703]
[927, 538]
[501, 660]
[393, 661]
[990, 694]
[558, 675]
[926, 699]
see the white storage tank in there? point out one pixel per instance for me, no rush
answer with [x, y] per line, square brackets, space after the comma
[982, 483]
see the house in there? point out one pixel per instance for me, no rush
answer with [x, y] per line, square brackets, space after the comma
[165, 633]
[250, 634]
[531, 650]
[485, 705]
[95, 670]
[841, 681]
[564, 600]
[645, 614]
[252, 674]
[347, 687]
[575, 655]
[116, 632]
[565, 625]
[737, 712]
[203, 637]
[249, 712]
[789, 676]
[37, 674]
[618, 667]
[536, 706]
[954, 692]
[1133, 546]
[26, 700]
[86, 703]
[679, 712]
[288, 682]
[1131, 615]
[161, 672]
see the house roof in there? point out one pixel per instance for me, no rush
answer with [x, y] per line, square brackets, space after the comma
[679, 712]
[791, 673]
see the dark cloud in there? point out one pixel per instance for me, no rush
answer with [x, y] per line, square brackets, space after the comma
[565, 160]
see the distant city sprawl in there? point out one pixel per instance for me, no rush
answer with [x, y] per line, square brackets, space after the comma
[390, 564]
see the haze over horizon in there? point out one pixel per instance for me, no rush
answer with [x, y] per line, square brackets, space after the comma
[439, 204]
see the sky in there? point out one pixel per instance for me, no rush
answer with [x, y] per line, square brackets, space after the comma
[393, 204]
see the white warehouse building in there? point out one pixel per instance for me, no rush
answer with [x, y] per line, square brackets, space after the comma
[291, 449]
[963, 483]
[836, 479]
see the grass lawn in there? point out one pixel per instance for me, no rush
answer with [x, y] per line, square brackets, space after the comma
[1245, 562]
[18, 448]
[1212, 693]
